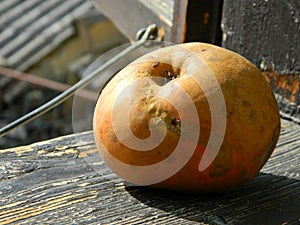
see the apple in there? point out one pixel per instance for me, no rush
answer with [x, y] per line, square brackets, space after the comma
[190, 117]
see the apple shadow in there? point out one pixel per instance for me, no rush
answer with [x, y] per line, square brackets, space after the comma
[268, 199]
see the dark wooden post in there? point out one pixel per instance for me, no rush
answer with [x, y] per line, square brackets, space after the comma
[267, 33]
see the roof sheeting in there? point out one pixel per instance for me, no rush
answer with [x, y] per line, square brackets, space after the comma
[30, 29]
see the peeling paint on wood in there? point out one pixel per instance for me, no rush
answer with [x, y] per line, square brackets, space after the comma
[287, 92]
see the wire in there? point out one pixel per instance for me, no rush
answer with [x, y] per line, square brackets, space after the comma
[148, 34]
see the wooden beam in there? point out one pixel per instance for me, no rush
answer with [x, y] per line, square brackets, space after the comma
[181, 20]
[132, 15]
[203, 21]
[265, 32]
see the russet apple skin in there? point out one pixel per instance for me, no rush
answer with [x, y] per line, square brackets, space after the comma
[252, 118]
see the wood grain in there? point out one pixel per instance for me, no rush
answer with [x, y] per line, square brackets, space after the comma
[265, 32]
[131, 16]
[63, 181]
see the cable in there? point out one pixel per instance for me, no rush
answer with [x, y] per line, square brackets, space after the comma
[149, 33]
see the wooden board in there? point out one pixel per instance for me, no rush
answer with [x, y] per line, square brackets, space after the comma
[132, 15]
[266, 32]
[180, 20]
[62, 181]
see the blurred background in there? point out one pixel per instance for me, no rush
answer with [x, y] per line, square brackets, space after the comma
[46, 45]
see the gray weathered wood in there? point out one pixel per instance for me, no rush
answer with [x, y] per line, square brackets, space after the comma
[55, 182]
[264, 31]
[132, 15]
[180, 20]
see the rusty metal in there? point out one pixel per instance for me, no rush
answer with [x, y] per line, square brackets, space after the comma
[150, 31]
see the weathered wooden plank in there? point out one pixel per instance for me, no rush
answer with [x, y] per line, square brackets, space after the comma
[287, 92]
[133, 15]
[266, 32]
[63, 181]
[180, 20]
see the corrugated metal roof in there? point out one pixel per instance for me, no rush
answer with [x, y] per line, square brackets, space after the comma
[30, 29]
